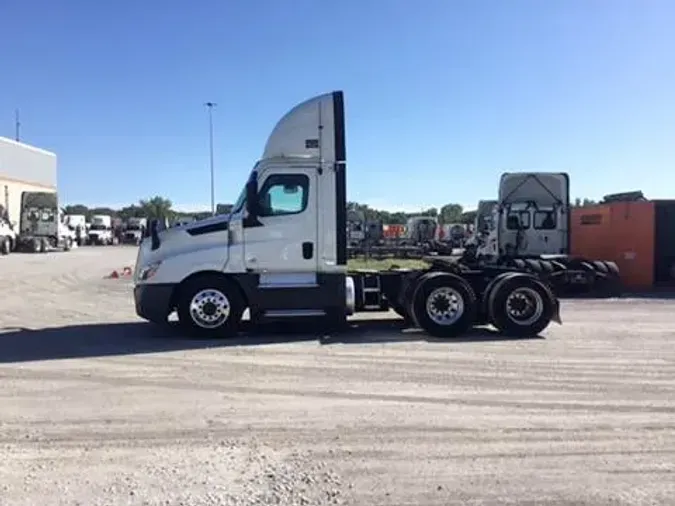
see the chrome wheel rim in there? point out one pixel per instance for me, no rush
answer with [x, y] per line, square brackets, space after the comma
[210, 308]
[445, 306]
[524, 306]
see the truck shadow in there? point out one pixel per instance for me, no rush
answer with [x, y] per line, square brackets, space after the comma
[112, 339]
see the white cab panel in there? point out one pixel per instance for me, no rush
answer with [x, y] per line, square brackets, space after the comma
[282, 241]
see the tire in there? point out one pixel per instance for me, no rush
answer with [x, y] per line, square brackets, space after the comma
[444, 305]
[44, 245]
[194, 299]
[517, 289]
[546, 267]
[68, 244]
[519, 264]
[534, 266]
[6, 246]
[35, 245]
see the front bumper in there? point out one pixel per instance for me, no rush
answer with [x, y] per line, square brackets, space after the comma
[153, 301]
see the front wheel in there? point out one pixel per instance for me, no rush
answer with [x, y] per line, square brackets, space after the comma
[210, 307]
[521, 306]
[444, 305]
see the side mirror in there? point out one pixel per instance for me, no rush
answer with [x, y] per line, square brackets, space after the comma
[252, 204]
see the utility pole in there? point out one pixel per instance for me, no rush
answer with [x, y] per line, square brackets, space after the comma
[210, 106]
[17, 125]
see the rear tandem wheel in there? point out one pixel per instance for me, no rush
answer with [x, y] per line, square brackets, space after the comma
[521, 305]
[443, 304]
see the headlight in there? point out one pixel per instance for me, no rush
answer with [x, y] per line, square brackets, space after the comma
[148, 271]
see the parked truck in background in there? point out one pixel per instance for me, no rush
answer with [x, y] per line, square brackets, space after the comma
[42, 224]
[7, 233]
[78, 224]
[100, 230]
[528, 228]
[282, 254]
[134, 230]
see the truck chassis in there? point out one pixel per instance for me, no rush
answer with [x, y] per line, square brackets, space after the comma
[444, 300]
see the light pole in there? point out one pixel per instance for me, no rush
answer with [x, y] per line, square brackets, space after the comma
[210, 106]
[17, 124]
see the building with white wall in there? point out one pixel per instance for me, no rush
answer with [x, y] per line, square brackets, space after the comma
[24, 168]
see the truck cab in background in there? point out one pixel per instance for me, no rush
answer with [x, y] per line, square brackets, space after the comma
[282, 253]
[42, 224]
[530, 218]
[7, 233]
[528, 228]
[100, 230]
[78, 224]
[134, 230]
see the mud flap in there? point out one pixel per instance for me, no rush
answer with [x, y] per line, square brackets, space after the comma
[556, 313]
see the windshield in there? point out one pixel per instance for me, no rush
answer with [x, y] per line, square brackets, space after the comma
[98, 226]
[133, 227]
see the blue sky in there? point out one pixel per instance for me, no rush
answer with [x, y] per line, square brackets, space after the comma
[441, 95]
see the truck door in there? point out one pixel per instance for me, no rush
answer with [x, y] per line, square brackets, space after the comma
[548, 236]
[282, 246]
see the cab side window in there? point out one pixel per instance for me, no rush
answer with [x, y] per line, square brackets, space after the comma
[284, 194]
[545, 220]
[518, 220]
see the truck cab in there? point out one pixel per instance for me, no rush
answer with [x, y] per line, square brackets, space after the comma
[533, 213]
[100, 230]
[78, 224]
[134, 230]
[7, 233]
[529, 219]
[282, 249]
[42, 224]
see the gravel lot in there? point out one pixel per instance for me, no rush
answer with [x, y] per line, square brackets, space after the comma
[98, 408]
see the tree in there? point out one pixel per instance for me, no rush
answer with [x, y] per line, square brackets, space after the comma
[160, 207]
[156, 208]
[76, 209]
[468, 218]
[451, 213]
[584, 202]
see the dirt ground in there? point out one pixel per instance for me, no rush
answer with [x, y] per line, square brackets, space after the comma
[99, 408]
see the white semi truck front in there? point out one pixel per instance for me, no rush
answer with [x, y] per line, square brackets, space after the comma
[100, 230]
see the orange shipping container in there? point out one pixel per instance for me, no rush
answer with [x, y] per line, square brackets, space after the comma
[638, 236]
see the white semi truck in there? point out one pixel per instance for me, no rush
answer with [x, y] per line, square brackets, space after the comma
[282, 253]
[78, 224]
[42, 224]
[100, 230]
[134, 230]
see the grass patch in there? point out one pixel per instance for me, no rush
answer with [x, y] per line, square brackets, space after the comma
[385, 264]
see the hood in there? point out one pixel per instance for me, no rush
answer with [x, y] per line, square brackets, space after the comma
[188, 237]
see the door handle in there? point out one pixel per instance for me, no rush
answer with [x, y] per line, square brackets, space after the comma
[307, 250]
